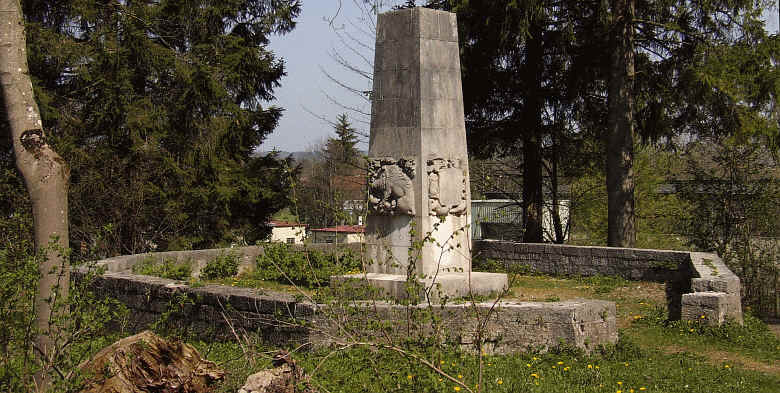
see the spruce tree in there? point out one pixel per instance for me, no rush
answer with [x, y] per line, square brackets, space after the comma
[158, 106]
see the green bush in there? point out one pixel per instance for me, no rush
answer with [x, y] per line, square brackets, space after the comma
[223, 266]
[91, 322]
[168, 268]
[307, 268]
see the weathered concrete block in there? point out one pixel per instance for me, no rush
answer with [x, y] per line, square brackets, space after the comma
[712, 308]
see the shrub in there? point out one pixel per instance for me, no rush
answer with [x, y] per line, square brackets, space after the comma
[167, 268]
[308, 268]
[223, 266]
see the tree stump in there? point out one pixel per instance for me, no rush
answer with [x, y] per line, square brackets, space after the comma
[148, 363]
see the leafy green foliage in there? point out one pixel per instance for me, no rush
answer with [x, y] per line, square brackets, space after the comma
[733, 189]
[167, 268]
[90, 323]
[309, 268]
[658, 212]
[223, 266]
[158, 108]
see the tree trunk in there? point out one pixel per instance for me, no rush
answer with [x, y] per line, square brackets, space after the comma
[45, 173]
[532, 158]
[621, 231]
[555, 212]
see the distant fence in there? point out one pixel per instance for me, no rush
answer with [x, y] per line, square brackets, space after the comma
[502, 219]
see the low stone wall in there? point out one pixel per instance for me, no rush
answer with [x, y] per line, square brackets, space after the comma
[285, 319]
[199, 258]
[699, 287]
[697, 284]
[282, 319]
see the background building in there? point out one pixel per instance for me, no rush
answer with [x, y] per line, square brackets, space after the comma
[287, 232]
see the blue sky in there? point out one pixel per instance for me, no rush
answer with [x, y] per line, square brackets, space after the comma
[305, 90]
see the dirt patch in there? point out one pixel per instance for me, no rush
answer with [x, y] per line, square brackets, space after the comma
[723, 359]
[775, 328]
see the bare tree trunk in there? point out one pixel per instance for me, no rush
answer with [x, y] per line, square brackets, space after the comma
[45, 173]
[621, 230]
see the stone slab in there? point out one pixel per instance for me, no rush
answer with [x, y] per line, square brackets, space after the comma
[448, 284]
[712, 308]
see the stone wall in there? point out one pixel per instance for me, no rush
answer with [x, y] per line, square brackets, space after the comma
[199, 258]
[284, 319]
[697, 284]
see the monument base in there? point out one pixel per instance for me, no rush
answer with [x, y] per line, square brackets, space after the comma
[451, 285]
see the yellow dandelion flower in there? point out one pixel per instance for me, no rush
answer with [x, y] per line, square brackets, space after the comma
[691, 330]
[440, 379]
[565, 369]
[408, 377]
[553, 366]
[626, 363]
[642, 388]
[535, 358]
[727, 366]
[702, 316]
[535, 375]
[597, 367]
[590, 366]
[460, 376]
[619, 391]
[457, 388]
[620, 383]
[453, 363]
[630, 390]
[490, 364]
[500, 381]
[441, 361]
[528, 364]
[559, 363]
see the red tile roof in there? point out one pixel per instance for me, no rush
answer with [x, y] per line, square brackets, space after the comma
[342, 229]
[279, 224]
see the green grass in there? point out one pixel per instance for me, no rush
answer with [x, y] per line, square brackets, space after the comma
[168, 268]
[622, 367]
[654, 354]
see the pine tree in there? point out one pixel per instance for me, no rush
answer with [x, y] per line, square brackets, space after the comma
[158, 107]
[637, 59]
[341, 150]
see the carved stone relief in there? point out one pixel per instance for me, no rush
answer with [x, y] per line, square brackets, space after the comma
[390, 185]
[446, 187]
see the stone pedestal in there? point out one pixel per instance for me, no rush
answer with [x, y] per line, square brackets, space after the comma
[419, 198]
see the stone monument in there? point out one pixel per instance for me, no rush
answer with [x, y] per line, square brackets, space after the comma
[418, 175]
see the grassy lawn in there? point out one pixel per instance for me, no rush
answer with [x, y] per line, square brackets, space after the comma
[652, 356]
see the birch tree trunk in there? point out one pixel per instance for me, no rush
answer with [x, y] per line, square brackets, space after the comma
[45, 174]
[621, 229]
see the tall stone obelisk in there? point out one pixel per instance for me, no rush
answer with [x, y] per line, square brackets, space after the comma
[419, 198]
